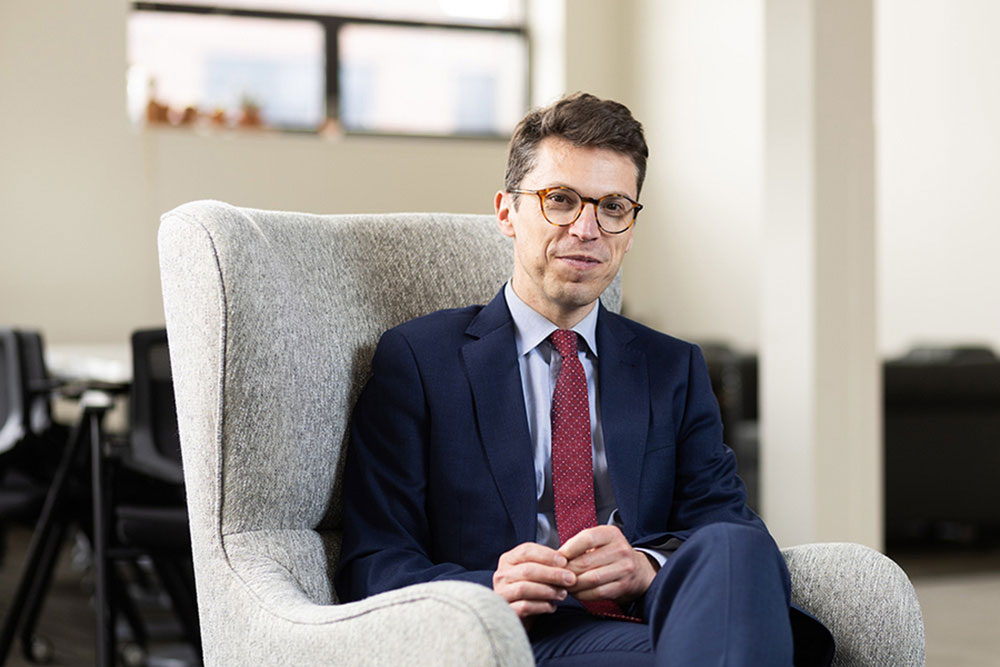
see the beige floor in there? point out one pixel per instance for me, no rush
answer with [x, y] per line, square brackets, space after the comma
[959, 593]
[961, 619]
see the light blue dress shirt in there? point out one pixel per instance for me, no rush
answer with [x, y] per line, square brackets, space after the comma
[540, 363]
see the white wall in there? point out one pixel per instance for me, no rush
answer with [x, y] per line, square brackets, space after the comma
[81, 191]
[693, 269]
[938, 132]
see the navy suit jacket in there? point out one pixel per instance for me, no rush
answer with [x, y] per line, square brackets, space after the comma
[440, 480]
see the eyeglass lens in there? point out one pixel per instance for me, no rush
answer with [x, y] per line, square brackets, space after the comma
[562, 206]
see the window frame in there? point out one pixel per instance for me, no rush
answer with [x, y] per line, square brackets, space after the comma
[331, 25]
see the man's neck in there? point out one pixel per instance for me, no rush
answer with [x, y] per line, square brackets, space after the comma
[561, 317]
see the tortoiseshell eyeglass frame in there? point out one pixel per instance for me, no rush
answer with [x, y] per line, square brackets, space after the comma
[544, 192]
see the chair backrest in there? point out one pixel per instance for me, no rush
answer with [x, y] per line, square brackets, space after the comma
[12, 424]
[155, 443]
[37, 385]
[25, 387]
[273, 318]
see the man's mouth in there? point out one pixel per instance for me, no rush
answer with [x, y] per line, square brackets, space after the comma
[580, 261]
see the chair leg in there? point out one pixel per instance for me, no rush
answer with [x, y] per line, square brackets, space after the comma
[54, 500]
[103, 598]
[126, 606]
[182, 596]
[39, 587]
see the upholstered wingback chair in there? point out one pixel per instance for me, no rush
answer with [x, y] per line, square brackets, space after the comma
[272, 319]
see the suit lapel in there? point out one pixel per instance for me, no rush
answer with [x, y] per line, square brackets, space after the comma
[495, 378]
[624, 395]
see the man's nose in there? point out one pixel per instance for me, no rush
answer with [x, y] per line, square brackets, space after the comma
[586, 227]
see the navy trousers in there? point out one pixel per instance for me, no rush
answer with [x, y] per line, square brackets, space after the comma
[722, 599]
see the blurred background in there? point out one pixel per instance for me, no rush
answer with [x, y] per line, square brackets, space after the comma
[884, 276]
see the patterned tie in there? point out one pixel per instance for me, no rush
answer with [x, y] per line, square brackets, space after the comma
[572, 457]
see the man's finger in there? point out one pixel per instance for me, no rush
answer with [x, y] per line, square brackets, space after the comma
[540, 573]
[600, 576]
[532, 552]
[529, 590]
[606, 554]
[527, 608]
[622, 579]
[588, 539]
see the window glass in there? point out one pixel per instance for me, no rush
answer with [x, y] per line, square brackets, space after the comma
[487, 12]
[431, 80]
[227, 68]
[429, 67]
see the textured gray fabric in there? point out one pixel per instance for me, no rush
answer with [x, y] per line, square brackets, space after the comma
[272, 320]
[865, 600]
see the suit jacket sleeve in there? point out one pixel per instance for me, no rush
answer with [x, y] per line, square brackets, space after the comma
[707, 488]
[386, 530]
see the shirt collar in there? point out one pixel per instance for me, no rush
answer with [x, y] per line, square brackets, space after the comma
[531, 327]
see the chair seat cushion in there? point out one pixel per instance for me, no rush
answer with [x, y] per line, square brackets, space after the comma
[155, 528]
[22, 505]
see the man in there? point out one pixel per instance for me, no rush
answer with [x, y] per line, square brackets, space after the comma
[563, 455]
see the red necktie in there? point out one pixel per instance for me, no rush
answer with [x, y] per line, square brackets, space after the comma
[572, 457]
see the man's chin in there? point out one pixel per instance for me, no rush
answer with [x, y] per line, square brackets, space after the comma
[580, 295]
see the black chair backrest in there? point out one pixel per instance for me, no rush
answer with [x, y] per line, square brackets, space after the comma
[36, 383]
[156, 446]
[12, 425]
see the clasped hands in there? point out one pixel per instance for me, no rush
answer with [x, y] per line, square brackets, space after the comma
[595, 564]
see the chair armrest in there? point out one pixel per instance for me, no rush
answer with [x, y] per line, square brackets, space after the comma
[863, 598]
[440, 623]
[271, 605]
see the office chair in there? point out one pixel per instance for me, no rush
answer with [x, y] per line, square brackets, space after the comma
[20, 498]
[140, 505]
[33, 462]
[13, 430]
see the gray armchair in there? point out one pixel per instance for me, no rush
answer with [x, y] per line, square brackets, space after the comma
[272, 320]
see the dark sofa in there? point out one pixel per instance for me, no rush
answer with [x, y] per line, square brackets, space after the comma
[941, 439]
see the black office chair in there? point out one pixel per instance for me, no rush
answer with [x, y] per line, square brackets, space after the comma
[29, 441]
[142, 502]
[20, 500]
[32, 450]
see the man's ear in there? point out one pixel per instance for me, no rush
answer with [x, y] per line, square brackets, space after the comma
[502, 204]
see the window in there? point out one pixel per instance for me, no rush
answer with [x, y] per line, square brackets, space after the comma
[426, 67]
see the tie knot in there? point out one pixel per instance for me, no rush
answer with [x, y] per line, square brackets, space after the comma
[565, 342]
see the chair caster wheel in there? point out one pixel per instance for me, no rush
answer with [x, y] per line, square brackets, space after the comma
[40, 650]
[132, 655]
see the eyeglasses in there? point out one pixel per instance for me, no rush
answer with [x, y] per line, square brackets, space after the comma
[562, 206]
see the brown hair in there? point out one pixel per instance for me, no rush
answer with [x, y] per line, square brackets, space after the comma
[584, 120]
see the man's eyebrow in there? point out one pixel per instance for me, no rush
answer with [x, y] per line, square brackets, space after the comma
[577, 190]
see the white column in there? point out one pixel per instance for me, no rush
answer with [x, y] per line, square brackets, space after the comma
[821, 458]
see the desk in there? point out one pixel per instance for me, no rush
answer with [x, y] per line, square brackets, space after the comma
[78, 367]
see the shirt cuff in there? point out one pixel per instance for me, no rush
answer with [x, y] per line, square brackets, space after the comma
[659, 557]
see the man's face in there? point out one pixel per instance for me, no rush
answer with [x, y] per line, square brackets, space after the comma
[561, 271]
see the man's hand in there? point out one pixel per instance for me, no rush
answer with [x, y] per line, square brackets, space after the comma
[606, 565]
[531, 578]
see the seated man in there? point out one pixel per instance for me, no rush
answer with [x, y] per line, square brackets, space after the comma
[565, 456]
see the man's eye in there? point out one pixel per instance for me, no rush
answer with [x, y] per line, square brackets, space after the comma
[560, 199]
[614, 206]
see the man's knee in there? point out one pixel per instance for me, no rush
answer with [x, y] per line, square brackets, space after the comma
[734, 547]
[734, 537]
